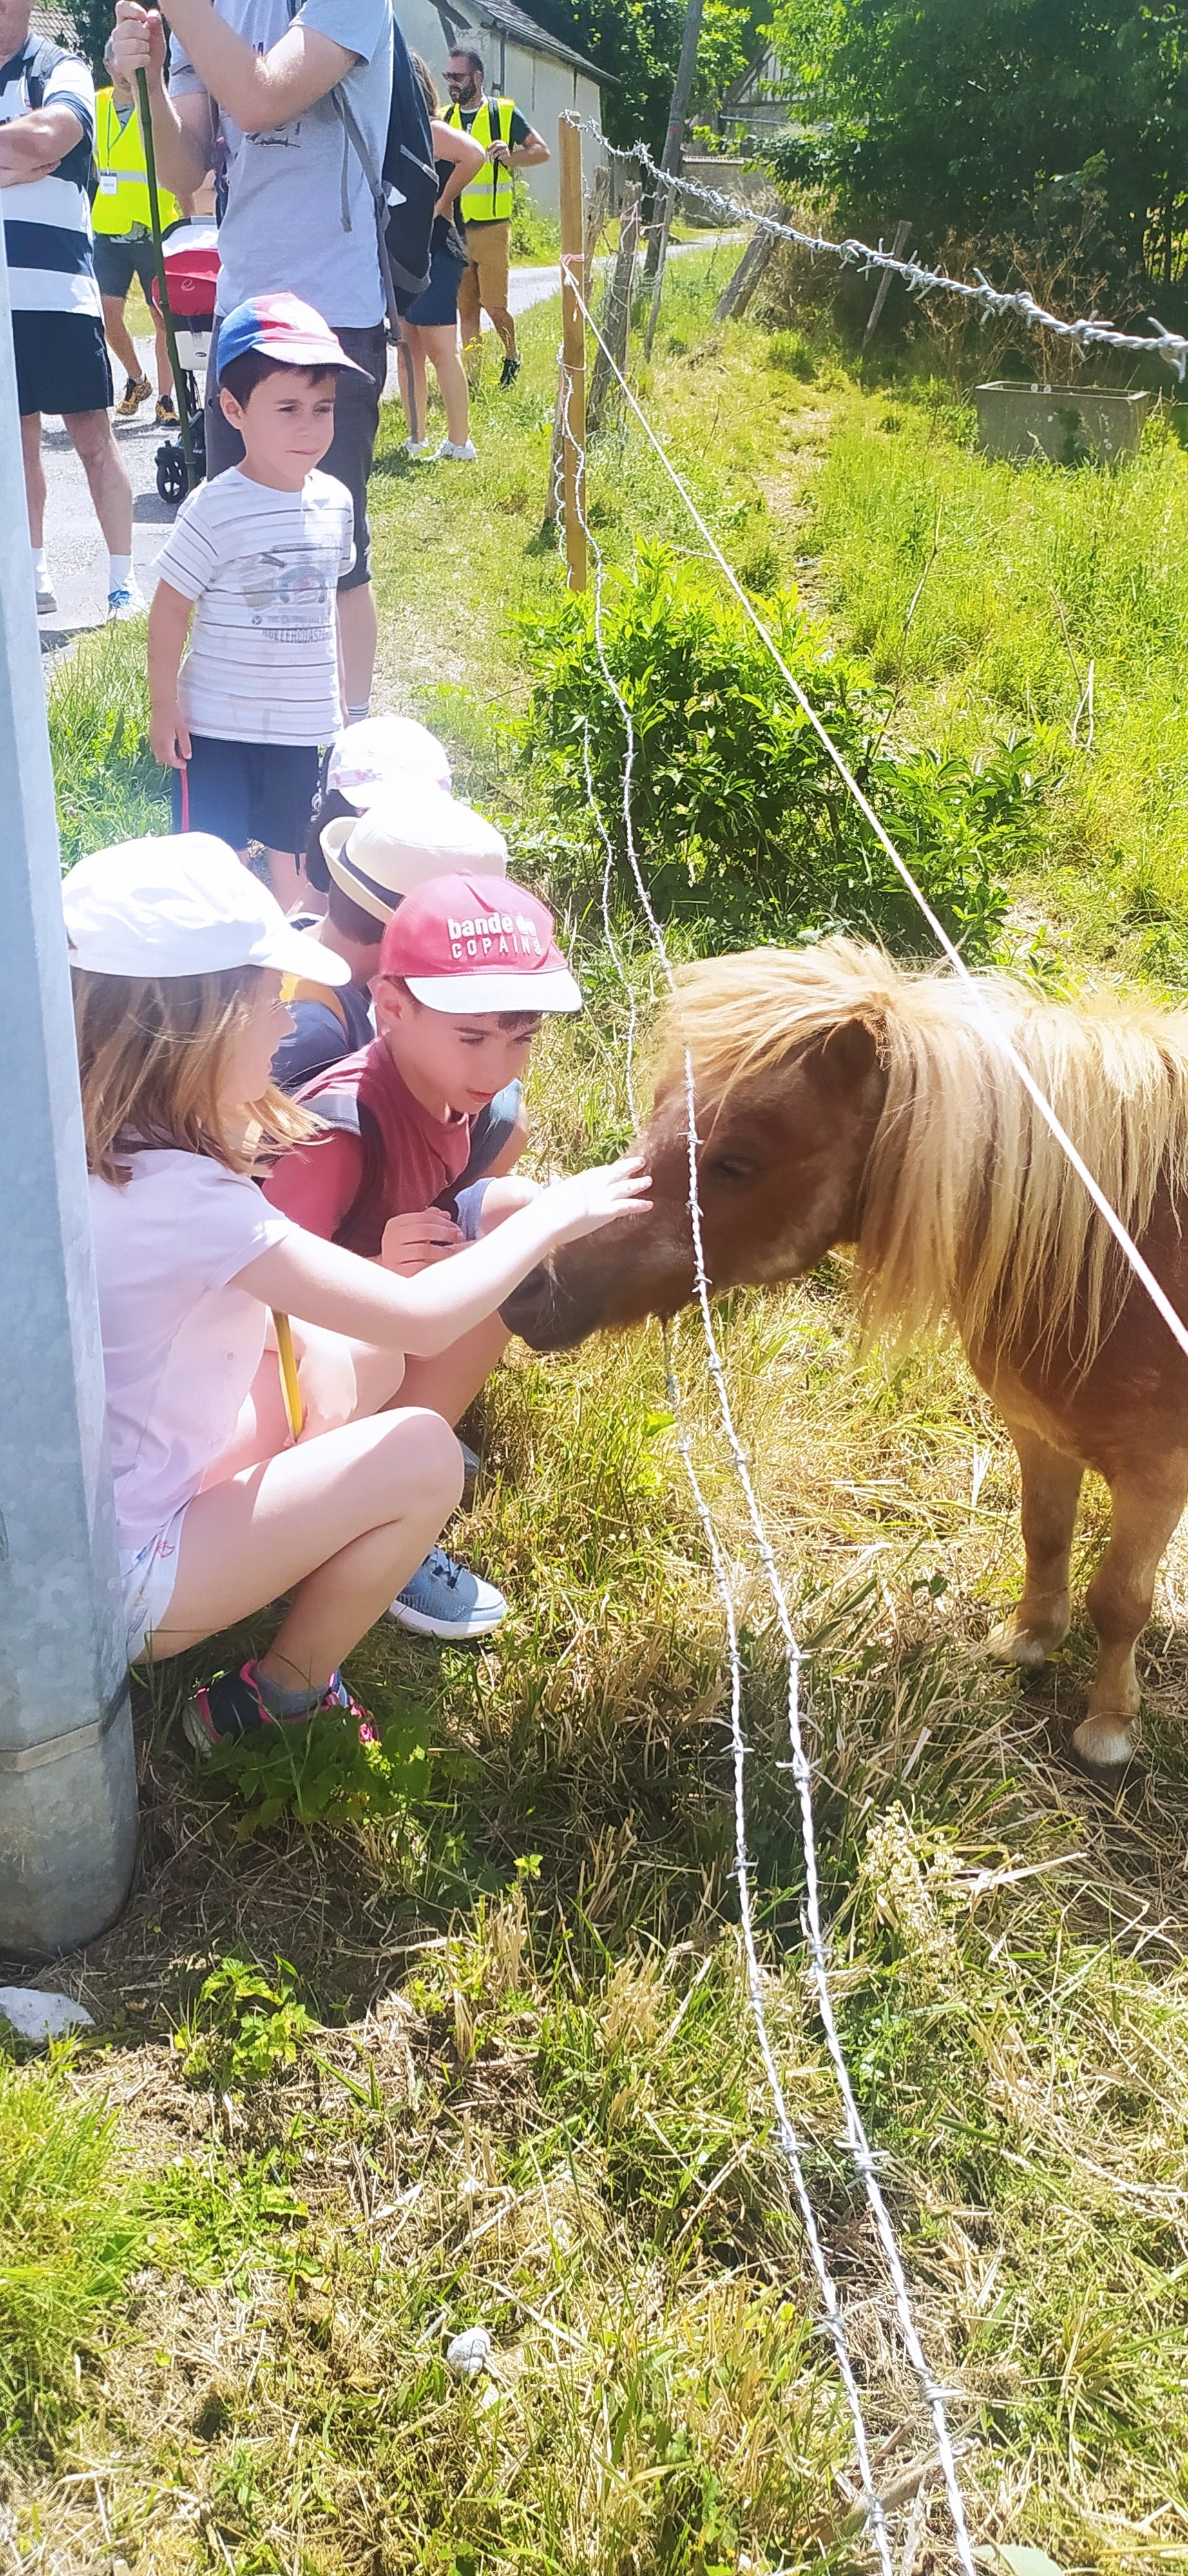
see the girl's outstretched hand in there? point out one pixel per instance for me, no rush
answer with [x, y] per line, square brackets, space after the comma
[584, 1201]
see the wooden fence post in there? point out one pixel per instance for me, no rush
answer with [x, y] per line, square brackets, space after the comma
[898, 247]
[614, 321]
[573, 350]
[739, 288]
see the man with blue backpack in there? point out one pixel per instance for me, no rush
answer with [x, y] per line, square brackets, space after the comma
[306, 108]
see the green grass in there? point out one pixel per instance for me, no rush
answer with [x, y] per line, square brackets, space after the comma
[68, 2240]
[486, 2058]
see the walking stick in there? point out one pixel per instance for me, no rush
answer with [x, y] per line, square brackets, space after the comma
[150, 165]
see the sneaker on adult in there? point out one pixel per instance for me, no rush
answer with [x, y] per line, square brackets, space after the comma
[137, 390]
[167, 413]
[124, 601]
[509, 371]
[43, 590]
[444, 1599]
[467, 454]
[236, 1705]
[416, 447]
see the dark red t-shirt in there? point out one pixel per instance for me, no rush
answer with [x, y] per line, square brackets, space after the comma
[386, 1155]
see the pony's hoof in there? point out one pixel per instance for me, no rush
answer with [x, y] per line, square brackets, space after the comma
[1106, 1743]
[1014, 1645]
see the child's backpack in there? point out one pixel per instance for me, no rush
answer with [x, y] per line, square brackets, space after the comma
[405, 188]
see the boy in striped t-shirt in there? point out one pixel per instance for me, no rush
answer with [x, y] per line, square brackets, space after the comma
[256, 557]
[47, 130]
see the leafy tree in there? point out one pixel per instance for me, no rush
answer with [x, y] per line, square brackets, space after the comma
[1003, 119]
[639, 42]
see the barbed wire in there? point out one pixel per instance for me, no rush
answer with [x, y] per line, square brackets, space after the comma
[988, 1019]
[1089, 331]
[856, 2139]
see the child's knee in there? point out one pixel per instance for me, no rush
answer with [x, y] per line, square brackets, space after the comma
[431, 1459]
[502, 1198]
[513, 1146]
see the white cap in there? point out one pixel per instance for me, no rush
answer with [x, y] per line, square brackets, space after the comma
[182, 904]
[408, 835]
[383, 752]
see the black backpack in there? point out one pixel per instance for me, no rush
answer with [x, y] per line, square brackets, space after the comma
[405, 188]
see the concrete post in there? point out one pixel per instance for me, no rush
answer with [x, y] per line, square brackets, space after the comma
[67, 1777]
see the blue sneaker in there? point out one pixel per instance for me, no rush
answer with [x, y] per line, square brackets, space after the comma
[444, 1599]
[125, 602]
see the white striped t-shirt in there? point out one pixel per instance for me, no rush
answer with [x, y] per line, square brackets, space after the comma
[47, 223]
[263, 569]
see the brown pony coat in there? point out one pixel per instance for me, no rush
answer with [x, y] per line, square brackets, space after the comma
[842, 1100]
[968, 1202]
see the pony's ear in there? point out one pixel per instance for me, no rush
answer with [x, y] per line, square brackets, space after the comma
[846, 1054]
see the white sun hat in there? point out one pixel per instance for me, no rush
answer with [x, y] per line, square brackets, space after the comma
[404, 838]
[383, 752]
[181, 903]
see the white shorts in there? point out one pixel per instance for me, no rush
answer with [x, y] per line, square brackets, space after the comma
[149, 1574]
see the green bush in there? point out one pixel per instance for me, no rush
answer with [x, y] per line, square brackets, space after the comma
[743, 827]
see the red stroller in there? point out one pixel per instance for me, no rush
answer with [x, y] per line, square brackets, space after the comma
[191, 272]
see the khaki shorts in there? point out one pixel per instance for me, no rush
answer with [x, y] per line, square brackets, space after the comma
[484, 279]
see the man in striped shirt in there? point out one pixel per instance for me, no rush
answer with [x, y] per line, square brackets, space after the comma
[47, 131]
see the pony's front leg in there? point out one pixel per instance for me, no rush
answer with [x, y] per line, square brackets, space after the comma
[1051, 1486]
[1146, 1508]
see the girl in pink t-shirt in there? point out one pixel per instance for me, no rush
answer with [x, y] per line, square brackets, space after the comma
[178, 957]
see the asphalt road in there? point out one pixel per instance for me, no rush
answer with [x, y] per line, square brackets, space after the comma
[74, 548]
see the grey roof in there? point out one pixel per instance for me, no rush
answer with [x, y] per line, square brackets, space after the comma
[516, 23]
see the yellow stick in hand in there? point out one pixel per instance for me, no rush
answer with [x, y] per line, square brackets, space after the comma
[288, 1369]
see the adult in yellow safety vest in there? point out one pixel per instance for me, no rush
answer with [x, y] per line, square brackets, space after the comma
[122, 222]
[486, 205]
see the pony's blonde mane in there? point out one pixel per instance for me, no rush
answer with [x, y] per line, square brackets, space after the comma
[970, 1209]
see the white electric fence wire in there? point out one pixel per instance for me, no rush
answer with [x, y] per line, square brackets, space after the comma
[789, 2140]
[1088, 331]
[987, 1018]
[856, 2139]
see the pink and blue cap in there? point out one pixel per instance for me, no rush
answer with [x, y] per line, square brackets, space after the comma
[283, 328]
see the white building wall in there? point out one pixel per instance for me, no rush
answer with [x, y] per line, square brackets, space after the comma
[543, 88]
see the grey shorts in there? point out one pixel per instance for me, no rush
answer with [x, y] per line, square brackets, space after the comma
[118, 261]
[356, 421]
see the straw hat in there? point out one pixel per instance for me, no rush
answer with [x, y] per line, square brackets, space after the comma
[403, 839]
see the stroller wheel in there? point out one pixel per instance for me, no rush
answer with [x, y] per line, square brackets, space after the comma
[171, 472]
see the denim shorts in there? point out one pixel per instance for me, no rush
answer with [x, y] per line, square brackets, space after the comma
[488, 1135]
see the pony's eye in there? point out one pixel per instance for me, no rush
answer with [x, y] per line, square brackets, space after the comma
[729, 1167]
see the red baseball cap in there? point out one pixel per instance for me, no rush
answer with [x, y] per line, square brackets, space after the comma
[468, 943]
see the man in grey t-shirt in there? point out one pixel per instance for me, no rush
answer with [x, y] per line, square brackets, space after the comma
[299, 212]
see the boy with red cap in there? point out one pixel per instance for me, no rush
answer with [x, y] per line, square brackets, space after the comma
[468, 965]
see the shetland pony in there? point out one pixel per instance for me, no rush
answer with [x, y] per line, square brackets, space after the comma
[840, 1100]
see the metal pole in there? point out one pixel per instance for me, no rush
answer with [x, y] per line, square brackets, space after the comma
[150, 166]
[67, 1776]
[670, 158]
[573, 350]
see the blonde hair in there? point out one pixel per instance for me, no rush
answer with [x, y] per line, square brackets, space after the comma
[151, 1056]
[969, 1209]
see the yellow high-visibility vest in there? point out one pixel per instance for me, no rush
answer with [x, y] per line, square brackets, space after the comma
[489, 198]
[122, 197]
